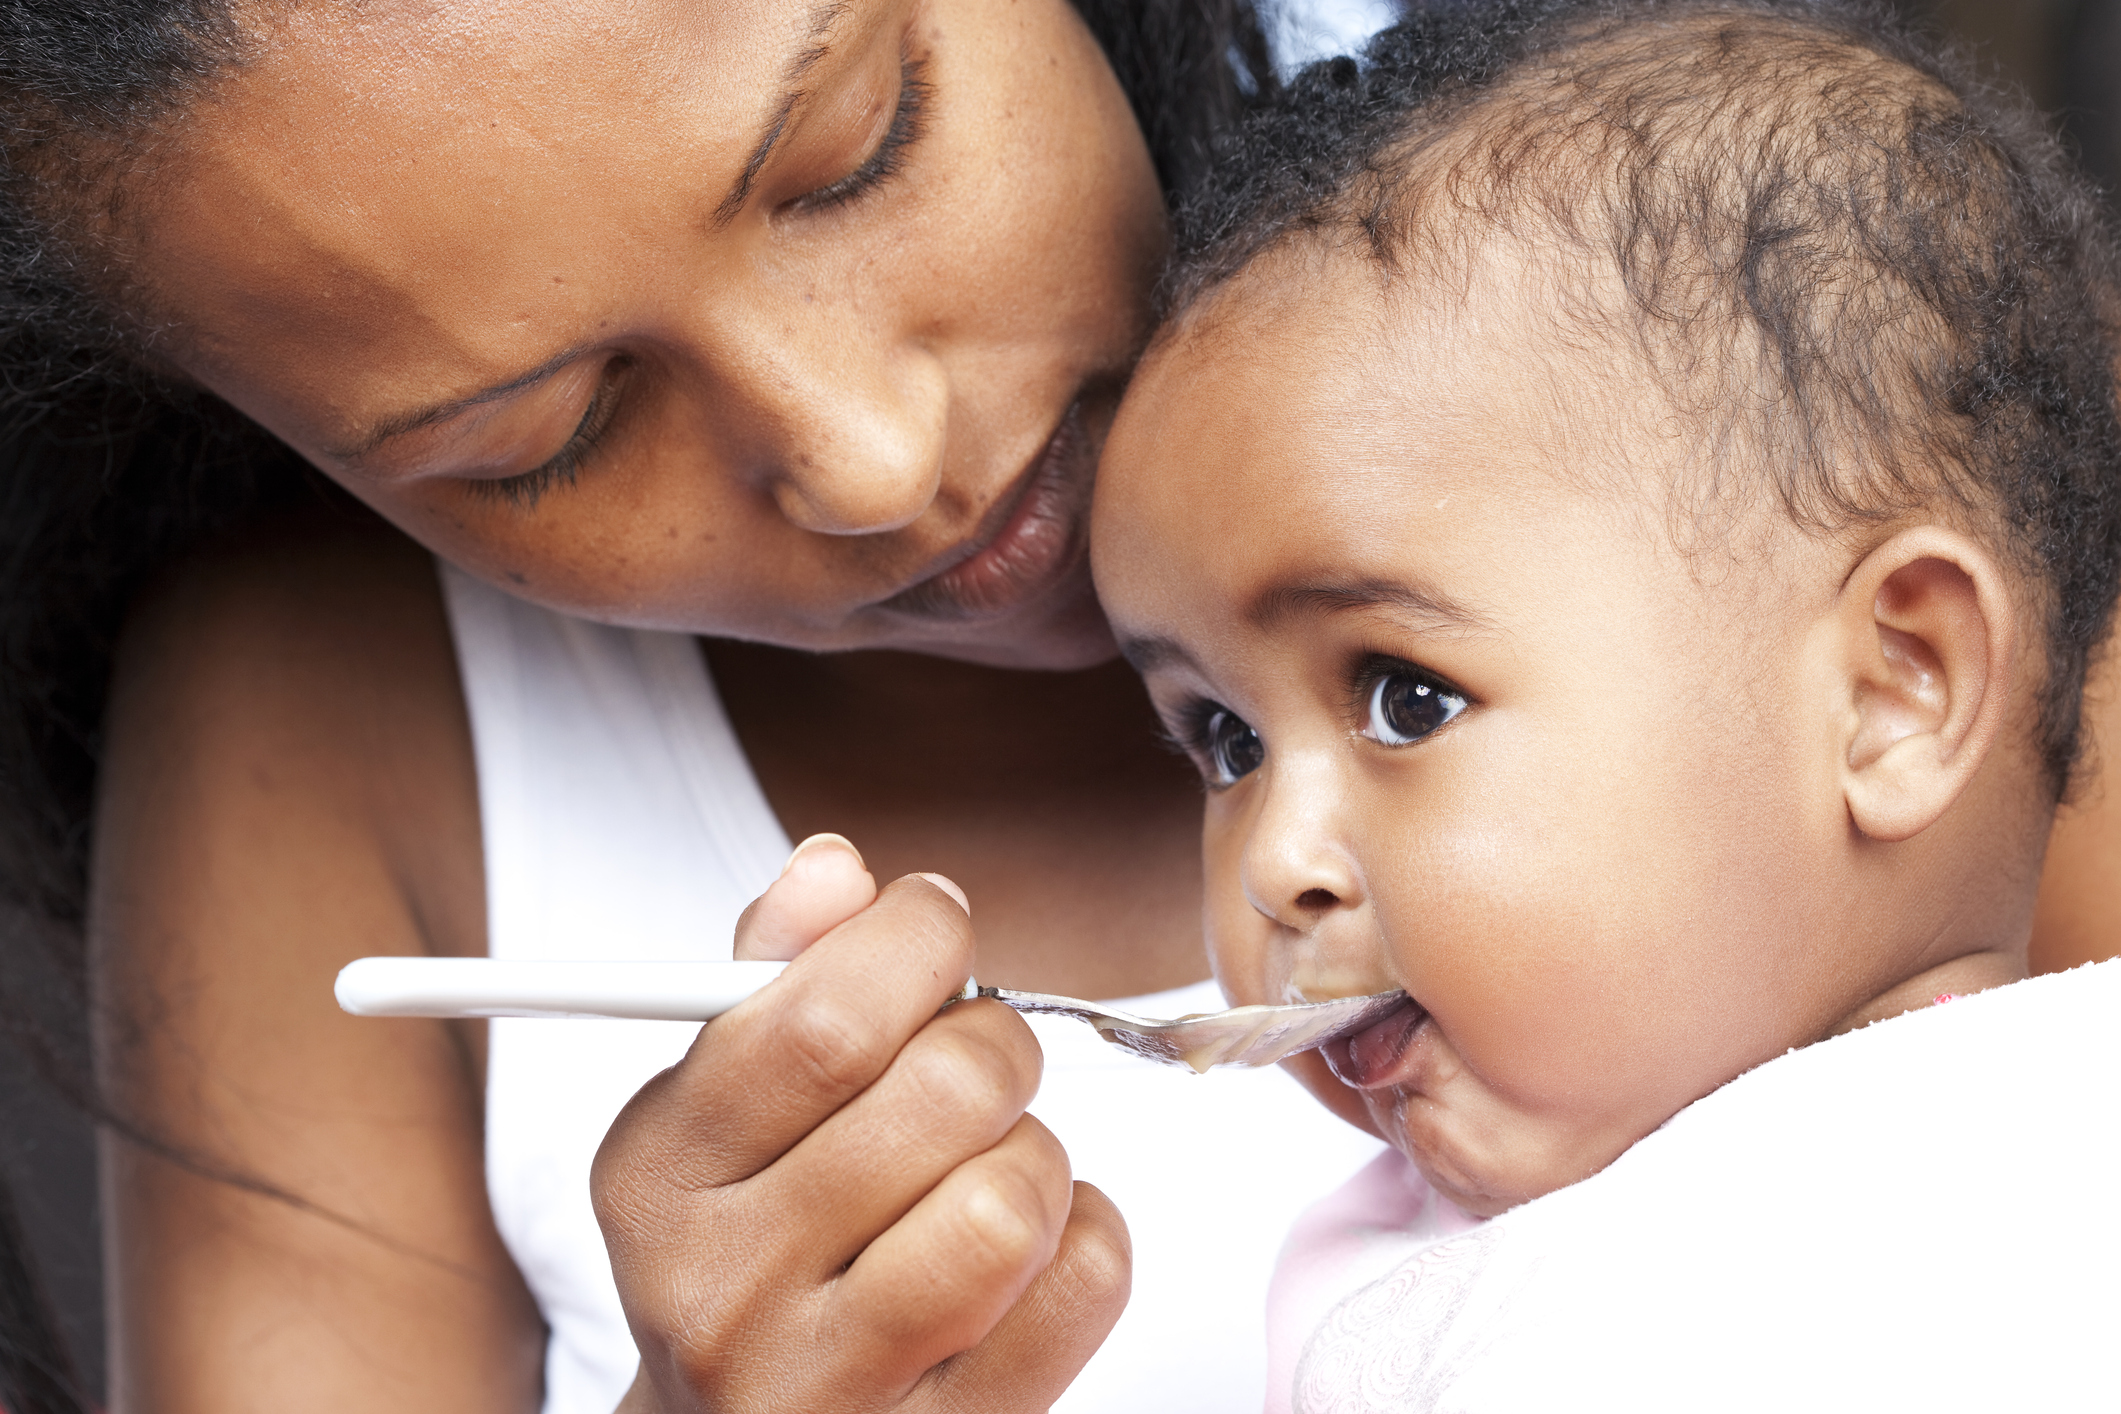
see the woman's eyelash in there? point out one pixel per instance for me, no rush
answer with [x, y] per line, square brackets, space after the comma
[906, 126]
[523, 490]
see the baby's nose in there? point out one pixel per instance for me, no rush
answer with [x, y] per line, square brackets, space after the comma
[1299, 874]
[1294, 871]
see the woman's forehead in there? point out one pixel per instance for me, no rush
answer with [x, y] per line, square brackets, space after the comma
[374, 182]
[343, 108]
[499, 47]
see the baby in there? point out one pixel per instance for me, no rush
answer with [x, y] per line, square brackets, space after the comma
[1618, 514]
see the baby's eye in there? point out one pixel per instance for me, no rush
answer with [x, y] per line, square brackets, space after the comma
[1233, 749]
[1406, 705]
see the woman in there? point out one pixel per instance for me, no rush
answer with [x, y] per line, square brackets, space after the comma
[791, 324]
[796, 327]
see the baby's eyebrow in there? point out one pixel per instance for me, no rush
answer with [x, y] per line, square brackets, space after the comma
[1147, 653]
[1418, 600]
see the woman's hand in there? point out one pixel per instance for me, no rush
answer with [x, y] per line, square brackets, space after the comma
[836, 1201]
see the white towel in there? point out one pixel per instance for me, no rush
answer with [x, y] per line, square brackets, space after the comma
[1924, 1214]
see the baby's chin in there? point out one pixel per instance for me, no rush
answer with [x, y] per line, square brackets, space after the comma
[1473, 1146]
[1456, 1175]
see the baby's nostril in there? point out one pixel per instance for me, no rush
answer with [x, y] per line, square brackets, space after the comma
[1316, 900]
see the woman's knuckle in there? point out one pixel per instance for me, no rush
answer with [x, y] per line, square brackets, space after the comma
[834, 1043]
[929, 921]
[1003, 1224]
[959, 1075]
[1101, 1261]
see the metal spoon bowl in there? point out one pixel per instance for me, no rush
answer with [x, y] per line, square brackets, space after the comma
[1246, 1035]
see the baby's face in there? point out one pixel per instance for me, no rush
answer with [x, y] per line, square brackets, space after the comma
[1402, 585]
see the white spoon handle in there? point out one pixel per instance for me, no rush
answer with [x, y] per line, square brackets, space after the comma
[491, 986]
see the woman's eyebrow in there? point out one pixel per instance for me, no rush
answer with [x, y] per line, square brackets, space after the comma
[822, 19]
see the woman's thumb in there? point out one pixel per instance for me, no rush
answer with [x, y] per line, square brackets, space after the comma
[823, 884]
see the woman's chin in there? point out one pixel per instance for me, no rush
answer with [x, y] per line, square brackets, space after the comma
[1062, 630]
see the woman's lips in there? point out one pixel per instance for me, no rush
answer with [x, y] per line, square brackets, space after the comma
[1373, 1058]
[1039, 537]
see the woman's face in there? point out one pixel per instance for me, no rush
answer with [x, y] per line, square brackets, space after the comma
[780, 320]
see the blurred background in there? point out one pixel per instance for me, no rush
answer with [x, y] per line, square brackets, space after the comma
[2065, 54]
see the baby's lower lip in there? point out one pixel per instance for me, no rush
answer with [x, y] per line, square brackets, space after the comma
[1371, 1058]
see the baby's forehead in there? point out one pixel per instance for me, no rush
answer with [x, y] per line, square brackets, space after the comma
[1318, 419]
[1495, 340]
[1308, 386]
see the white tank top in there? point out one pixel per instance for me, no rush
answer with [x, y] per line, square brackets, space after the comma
[621, 820]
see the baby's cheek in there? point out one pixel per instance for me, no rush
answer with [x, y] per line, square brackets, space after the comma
[1238, 942]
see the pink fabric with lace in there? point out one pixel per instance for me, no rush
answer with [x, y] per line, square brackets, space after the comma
[1363, 1230]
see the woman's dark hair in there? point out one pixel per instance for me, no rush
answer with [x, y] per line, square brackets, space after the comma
[1873, 282]
[36, 1375]
[106, 470]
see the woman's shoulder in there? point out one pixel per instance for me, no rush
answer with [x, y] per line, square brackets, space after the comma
[332, 591]
[300, 676]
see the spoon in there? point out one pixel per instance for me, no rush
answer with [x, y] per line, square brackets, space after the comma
[700, 991]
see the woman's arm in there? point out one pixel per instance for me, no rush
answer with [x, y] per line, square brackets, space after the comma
[835, 1202]
[288, 785]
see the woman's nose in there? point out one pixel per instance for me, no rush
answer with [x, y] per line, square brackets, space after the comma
[1296, 870]
[849, 418]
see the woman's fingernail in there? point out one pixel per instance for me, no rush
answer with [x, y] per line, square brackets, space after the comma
[950, 888]
[819, 842]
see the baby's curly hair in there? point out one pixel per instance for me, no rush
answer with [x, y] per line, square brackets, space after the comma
[1874, 282]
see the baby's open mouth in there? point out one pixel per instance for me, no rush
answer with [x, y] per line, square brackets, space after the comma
[1371, 1057]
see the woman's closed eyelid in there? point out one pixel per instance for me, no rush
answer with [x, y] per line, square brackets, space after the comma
[524, 489]
[882, 162]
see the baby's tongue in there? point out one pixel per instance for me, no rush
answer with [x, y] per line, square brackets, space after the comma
[1369, 1057]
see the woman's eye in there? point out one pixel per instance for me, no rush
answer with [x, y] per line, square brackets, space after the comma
[1407, 706]
[1234, 750]
[524, 490]
[908, 119]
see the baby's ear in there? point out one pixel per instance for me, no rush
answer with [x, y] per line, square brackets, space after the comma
[1926, 635]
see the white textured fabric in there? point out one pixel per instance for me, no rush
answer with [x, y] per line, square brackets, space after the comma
[1919, 1215]
[1300, 32]
[622, 821]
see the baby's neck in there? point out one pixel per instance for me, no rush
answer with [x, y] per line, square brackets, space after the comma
[1975, 972]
